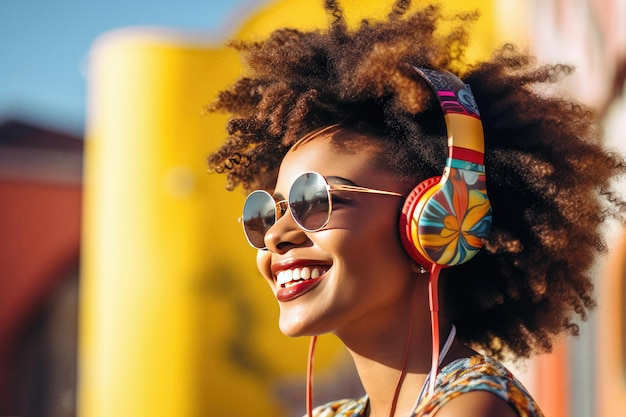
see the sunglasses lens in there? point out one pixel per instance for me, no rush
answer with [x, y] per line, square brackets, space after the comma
[259, 214]
[309, 201]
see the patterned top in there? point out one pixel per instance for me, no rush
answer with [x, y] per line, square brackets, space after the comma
[478, 373]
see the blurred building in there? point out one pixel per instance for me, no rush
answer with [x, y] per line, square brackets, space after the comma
[40, 212]
[591, 36]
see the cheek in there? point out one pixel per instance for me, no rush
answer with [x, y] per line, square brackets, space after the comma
[263, 258]
[380, 250]
[369, 245]
[384, 258]
[376, 232]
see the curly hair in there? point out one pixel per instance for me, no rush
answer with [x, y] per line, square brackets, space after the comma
[548, 175]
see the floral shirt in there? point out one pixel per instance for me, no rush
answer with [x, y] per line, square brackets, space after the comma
[478, 373]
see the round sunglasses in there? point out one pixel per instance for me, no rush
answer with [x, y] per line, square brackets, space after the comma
[309, 203]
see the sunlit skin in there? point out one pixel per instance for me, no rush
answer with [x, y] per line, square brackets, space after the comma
[365, 293]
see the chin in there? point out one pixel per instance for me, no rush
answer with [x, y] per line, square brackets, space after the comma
[297, 328]
[293, 331]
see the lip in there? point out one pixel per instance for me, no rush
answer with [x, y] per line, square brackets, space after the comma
[278, 266]
[294, 291]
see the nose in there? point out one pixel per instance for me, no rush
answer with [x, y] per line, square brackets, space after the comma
[285, 234]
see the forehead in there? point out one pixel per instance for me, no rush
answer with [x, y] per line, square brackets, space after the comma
[341, 153]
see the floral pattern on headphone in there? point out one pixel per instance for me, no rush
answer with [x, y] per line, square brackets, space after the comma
[456, 218]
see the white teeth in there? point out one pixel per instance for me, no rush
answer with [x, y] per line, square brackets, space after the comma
[305, 273]
[296, 274]
[283, 277]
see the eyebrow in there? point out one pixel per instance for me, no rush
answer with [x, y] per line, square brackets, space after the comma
[340, 180]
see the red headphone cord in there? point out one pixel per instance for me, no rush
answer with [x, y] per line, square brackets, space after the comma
[433, 295]
[396, 392]
[309, 378]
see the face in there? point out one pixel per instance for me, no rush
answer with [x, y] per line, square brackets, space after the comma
[353, 275]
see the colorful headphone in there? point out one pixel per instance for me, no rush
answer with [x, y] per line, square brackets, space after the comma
[445, 219]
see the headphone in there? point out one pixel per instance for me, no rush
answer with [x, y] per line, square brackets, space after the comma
[445, 218]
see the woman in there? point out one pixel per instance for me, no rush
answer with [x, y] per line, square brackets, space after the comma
[334, 130]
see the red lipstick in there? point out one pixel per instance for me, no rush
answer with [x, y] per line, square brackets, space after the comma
[296, 290]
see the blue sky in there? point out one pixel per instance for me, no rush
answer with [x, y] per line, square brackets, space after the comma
[44, 46]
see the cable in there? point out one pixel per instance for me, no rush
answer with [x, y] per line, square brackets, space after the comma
[433, 295]
[396, 392]
[309, 378]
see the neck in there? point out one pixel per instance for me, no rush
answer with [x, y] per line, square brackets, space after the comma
[379, 381]
[386, 371]
[393, 361]
[377, 377]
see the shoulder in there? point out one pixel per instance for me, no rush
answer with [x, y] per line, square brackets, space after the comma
[478, 386]
[341, 408]
[477, 403]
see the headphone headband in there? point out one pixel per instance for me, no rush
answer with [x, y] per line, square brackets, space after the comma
[454, 96]
[465, 134]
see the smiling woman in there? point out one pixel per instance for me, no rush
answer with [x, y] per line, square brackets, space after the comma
[366, 201]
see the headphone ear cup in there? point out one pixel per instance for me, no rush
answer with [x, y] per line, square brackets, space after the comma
[409, 223]
[445, 222]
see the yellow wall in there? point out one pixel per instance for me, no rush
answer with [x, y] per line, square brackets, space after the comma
[175, 320]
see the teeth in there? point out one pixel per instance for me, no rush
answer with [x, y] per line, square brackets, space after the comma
[283, 277]
[305, 273]
[296, 274]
